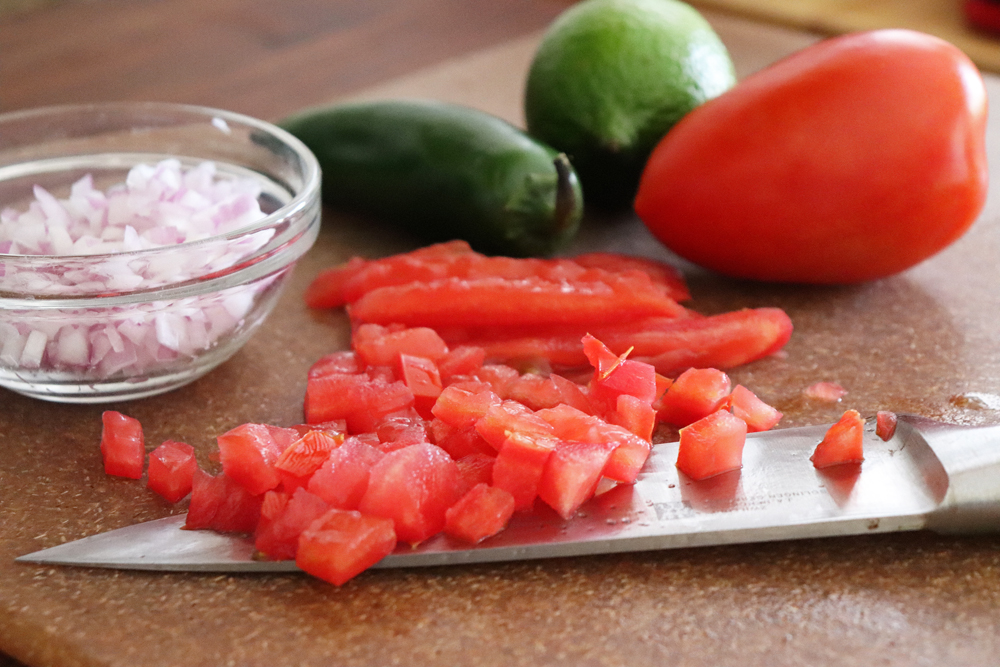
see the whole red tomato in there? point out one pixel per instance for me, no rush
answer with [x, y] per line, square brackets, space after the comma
[852, 159]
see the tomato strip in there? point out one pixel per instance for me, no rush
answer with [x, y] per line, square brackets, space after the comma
[491, 302]
[671, 345]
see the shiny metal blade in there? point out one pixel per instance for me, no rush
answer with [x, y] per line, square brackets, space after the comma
[777, 495]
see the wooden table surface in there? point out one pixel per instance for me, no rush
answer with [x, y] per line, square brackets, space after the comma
[923, 342]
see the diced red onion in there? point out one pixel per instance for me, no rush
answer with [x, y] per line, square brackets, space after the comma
[158, 206]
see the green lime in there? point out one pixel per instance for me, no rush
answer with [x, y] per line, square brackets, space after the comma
[611, 77]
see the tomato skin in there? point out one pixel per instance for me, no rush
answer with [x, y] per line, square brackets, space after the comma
[843, 442]
[853, 159]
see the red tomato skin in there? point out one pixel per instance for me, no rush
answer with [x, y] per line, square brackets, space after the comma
[712, 445]
[843, 442]
[885, 424]
[122, 445]
[171, 470]
[853, 159]
[342, 544]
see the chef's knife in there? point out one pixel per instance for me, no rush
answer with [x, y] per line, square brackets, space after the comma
[928, 475]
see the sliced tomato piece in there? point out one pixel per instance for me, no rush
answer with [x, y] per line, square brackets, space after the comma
[571, 475]
[360, 400]
[712, 445]
[304, 456]
[248, 454]
[327, 288]
[885, 424]
[462, 360]
[462, 408]
[122, 445]
[638, 416]
[487, 302]
[277, 537]
[535, 391]
[843, 442]
[171, 470]
[342, 479]
[510, 417]
[670, 344]
[459, 442]
[475, 469]
[422, 377]
[482, 512]
[414, 487]
[519, 466]
[499, 376]
[381, 346]
[401, 429]
[219, 503]
[573, 394]
[758, 415]
[342, 544]
[344, 361]
[630, 452]
[830, 392]
[696, 393]
[665, 275]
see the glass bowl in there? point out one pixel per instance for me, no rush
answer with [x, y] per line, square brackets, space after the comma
[95, 319]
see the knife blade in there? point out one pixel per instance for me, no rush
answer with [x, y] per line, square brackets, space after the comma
[929, 475]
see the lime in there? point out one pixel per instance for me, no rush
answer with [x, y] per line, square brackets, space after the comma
[610, 77]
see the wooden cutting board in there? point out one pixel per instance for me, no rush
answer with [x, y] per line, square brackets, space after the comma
[922, 342]
[944, 18]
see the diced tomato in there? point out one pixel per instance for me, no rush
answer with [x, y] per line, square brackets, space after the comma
[122, 446]
[712, 445]
[248, 454]
[171, 470]
[535, 391]
[304, 456]
[628, 378]
[498, 376]
[342, 479]
[885, 424]
[414, 487]
[571, 475]
[758, 415]
[278, 537]
[482, 512]
[843, 442]
[630, 453]
[461, 408]
[381, 346]
[401, 429]
[500, 421]
[519, 466]
[342, 544]
[600, 357]
[459, 442]
[358, 399]
[638, 416]
[423, 379]
[219, 503]
[572, 394]
[696, 393]
[825, 391]
[344, 361]
[462, 360]
[475, 469]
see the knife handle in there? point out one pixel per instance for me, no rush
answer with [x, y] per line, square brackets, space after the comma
[970, 458]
